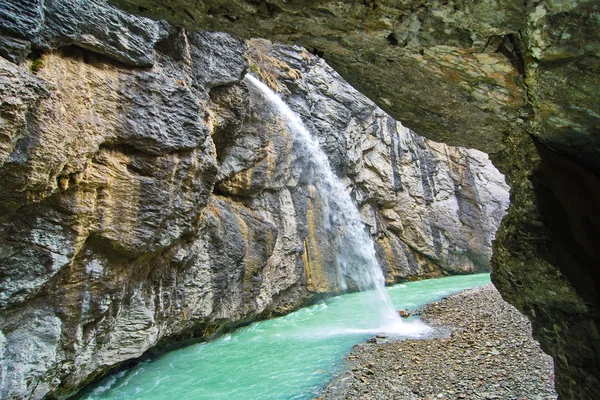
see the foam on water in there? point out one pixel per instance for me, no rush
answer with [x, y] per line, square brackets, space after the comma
[356, 256]
[291, 357]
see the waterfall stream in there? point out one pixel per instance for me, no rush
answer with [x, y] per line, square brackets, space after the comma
[294, 356]
[356, 257]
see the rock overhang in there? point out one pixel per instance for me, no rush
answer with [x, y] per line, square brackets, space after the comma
[518, 80]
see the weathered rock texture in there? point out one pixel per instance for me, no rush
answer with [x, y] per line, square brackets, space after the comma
[93, 25]
[107, 175]
[150, 196]
[517, 79]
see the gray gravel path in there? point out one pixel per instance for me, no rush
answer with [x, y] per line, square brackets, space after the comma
[483, 350]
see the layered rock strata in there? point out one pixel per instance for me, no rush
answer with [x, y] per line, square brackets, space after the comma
[431, 208]
[150, 196]
[516, 79]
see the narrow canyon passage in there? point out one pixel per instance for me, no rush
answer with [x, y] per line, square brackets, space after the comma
[517, 79]
[297, 355]
[154, 196]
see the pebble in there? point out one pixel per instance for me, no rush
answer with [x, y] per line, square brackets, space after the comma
[489, 354]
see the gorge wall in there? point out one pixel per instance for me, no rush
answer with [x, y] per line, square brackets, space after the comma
[435, 203]
[150, 195]
[516, 79]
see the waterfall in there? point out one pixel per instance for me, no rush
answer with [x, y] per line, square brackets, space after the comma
[356, 256]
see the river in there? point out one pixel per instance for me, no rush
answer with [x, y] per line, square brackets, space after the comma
[291, 357]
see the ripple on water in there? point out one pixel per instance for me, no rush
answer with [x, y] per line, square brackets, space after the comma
[291, 357]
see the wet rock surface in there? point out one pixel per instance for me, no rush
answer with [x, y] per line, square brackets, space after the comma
[482, 349]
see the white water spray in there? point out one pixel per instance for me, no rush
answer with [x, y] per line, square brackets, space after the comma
[357, 252]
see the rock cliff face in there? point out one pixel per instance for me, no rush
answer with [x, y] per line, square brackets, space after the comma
[150, 195]
[431, 208]
[516, 79]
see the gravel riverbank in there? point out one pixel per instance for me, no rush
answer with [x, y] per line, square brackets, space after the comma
[482, 349]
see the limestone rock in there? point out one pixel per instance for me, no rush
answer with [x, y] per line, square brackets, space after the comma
[31, 349]
[90, 24]
[146, 206]
[107, 171]
[112, 241]
[434, 65]
[255, 155]
[215, 59]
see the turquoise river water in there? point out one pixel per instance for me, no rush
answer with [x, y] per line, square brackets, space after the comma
[292, 357]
